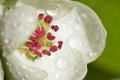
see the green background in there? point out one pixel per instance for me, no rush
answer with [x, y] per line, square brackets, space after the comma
[107, 66]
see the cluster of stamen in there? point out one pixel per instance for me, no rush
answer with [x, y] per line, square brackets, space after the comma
[41, 41]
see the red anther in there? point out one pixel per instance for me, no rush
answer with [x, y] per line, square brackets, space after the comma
[50, 36]
[38, 53]
[55, 28]
[46, 52]
[40, 16]
[34, 39]
[40, 32]
[33, 46]
[53, 48]
[60, 43]
[48, 19]
[29, 45]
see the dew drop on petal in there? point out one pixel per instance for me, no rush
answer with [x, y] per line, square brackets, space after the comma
[19, 73]
[61, 63]
[92, 54]
[77, 27]
[27, 76]
[6, 41]
[2, 33]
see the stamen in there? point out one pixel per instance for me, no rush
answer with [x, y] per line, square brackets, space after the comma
[48, 19]
[50, 36]
[33, 46]
[55, 28]
[40, 32]
[46, 52]
[41, 41]
[38, 53]
[53, 48]
[34, 38]
[40, 16]
[60, 43]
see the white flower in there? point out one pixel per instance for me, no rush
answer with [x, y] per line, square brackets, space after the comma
[81, 31]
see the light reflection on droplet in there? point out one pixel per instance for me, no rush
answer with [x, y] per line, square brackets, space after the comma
[2, 33]
[92, 54]
[6, 41]
[61, 63]
[27, 76]
[19, 73]
[77, 27]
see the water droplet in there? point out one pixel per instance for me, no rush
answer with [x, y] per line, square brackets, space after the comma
[27, 76]
[46, 79]
[77, 27]
[31, 19]
[61, 63]
[6, 41]
[75, 43]
[31, 70]
[15, 24]
[60, 8]
[22, 15]
[84, 16]
[21, 28]
[23, 79]
[80, 43]
[57, 76]
[23, 66]
[79, 20]
[19, 73]
[2, 33]
[92, 54]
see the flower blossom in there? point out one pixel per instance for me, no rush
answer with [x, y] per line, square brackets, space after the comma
[51, 39]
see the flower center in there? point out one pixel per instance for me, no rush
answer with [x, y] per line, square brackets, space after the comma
[41, 43]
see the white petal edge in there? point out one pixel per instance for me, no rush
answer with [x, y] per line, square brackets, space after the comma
[1, 71]
[23, 69]
[93, 17]
[63, 65]
[16, 27]
[39, 3]
[95, 31]
[82, 29]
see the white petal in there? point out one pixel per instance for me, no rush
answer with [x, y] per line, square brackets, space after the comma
[66, 64]
[1, 72]
[39, 2]
[17, 26]
[94, 29]
[56, 8]
[82, 29]
[24, 69]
